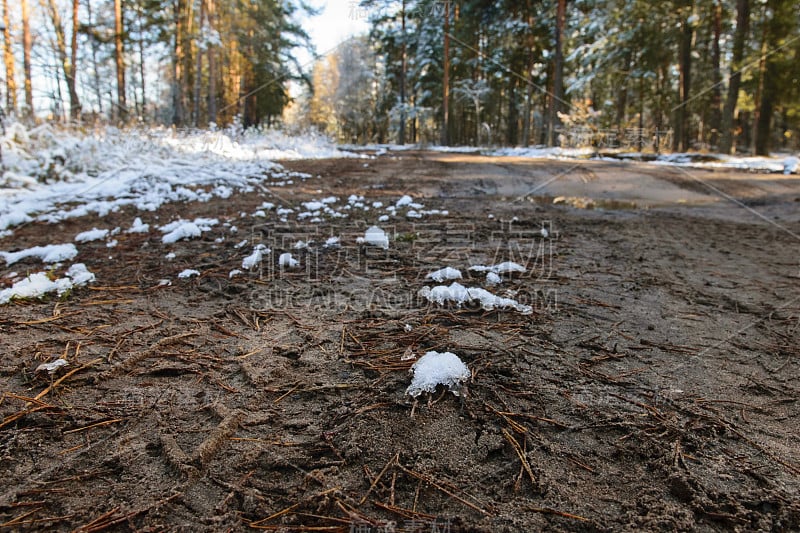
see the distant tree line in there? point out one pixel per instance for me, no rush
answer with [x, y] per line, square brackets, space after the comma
[184, 62]
[716, 74]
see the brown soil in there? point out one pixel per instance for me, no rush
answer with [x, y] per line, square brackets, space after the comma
[654, 388]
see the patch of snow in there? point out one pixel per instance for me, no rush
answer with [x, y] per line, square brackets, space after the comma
[183, 229]
[435, 368]
[446, 273]
[242, 243]
[460, 295]
[332, 242]
[188, 273]
[170, 256]
[234, 272]
[790, 165]
[93, 234]
[80, 275]
[375, 236]
[500, 268]
[287, 261]
[39, 284]
[138, 226]
[492, 278]
[383, 218]
[300, 245]
[51, 253]
[404, 200]
[254, 259]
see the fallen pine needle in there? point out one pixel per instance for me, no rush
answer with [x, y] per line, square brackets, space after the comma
[98, 424]
[547, 510]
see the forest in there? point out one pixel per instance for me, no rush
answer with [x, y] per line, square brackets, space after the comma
[679, 75]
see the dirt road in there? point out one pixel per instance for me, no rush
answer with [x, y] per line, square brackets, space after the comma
[653, 387]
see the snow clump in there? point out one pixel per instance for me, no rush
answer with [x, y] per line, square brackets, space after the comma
[436, 368]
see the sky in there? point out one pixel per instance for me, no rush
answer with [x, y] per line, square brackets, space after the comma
[339, 20]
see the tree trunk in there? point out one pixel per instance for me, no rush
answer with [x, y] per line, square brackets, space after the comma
[558, 73]
[682, 142]
[142, 78]
[26, 56]
[716, 76]
[177, 65]
[773, 86]
[11, 84]
[198, 68]
[75, 106]
[119, 60]
[513, 114]
[622, 97]
[402, 129]
[95, 70]
[726, 124]
[61, 53]
[764, 121]
[212, 67]
[762, 74]
[445, 137]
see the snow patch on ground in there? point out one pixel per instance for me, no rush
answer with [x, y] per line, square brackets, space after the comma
[51, 253]
[287, 261]
[39, 284]
[505, 267]
[254, 259]
[446, 273]
[138, 226]
[188, 273]
[93, 234]
[436, 368]
[184, 229]
[375, 236]
[458, 294]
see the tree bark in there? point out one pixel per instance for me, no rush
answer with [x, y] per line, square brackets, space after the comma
[445, 136]
[212, 66]
[11, 83]
[95, 70]
[402, 129]
[558, 73]
[716, 75]
[26, 56]
[198, 68]
[684, 87]
[726, 124]
[61, 52]
[119, 60]
[142, 77]
[177, 65]
[75, 106]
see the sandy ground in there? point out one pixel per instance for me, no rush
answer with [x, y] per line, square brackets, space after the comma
[653, 388]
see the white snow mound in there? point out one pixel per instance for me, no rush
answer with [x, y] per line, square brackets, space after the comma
[446, 273]
[255, 258]
[286, 260]
[38, 284]
[376, 237]
[52, 253]
[93, 234]
[500, 268]
[436, 368]
[458, 294]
